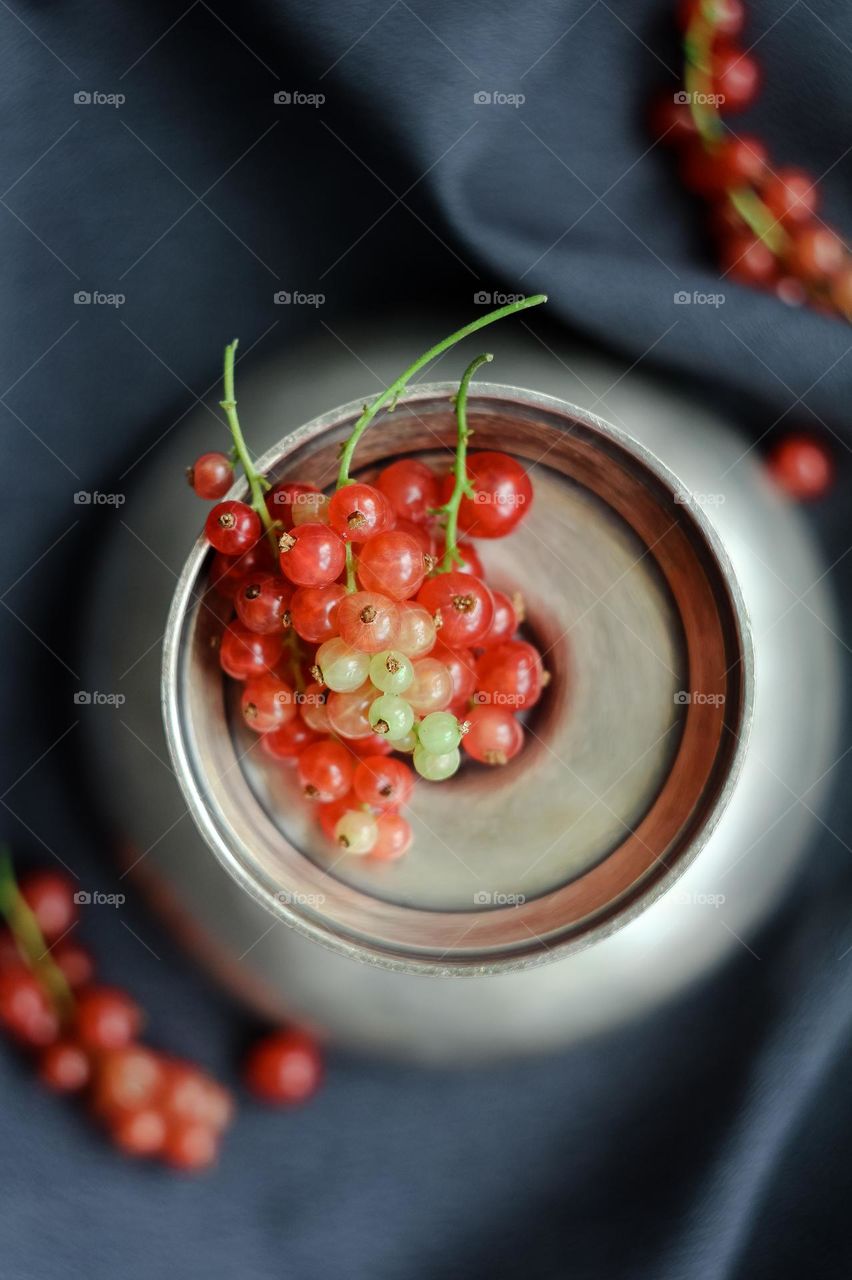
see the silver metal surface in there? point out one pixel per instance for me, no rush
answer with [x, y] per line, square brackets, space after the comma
[632, 650]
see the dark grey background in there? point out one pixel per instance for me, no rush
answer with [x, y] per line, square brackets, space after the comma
[711, 1140]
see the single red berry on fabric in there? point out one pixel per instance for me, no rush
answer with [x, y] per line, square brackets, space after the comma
[749, 261]
[392, 564]
[262, 602]
[325, 771]
[267, 702]
[289, 741]
[139, 1133]
[244, 653]
[126, 1078]
[503, 495]
[791, 195]
[50, 897]
[227, 573]
[726, 17]
[313, 611]
[506, 620]
[672, 121]
[802, 466]
[383, 782]
[283, 498]
[462, 667]
[357, 512]
[369, 621]
[736, 78]
[411, 488]
[815, 253]
[211, 475]
[511, 675]
[25, 1009]
[494, 737]
[232, 527]
[284, 1067]
[64, 1067]
[106, 1018]
[190, 1146]
[75, 962]
[465, 605]
[312, 555]
[394, 838]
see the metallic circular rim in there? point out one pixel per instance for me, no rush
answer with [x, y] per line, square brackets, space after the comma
[355, 950]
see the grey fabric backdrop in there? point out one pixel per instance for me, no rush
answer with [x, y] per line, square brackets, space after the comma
[709, 1141]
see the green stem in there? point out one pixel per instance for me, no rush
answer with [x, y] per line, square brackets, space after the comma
[255, 481]
[29, 938]
[392, 392]
[461, 488]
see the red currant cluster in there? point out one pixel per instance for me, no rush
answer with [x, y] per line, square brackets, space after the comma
[364, 625]
[84, 1035]
[764, 219]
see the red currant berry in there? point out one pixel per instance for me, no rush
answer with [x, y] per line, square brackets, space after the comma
[815, 253]
[284, 1067]
[227, 573]
[368, 621]
[64, 1067]
[312, 555]
[288, 742]
[25, 1009]
[50, 897]
[190, 1146]
[347, 714]
[840, 288]
[392, 563]
[506, 619]
[267, 703]
[791, 291]
[503, 495]
[462, 668]
[736, 78]
[74, 961]
[282, 500]
[791, 196]
[432, 689]
[325, 771]
[126, 1078]
[494, 735]
[511, 674]
[313, 707]
[106, 1018]
[383, 782]
[465, 605]
[802, 466]
[672, 121]
[9, 953]
[262, 603]
[749, 261]
[211, 475]
[372, 744]
[423, 535]
[357, 512]
[313, 611]
[331, 813]
[139, 1133]
[411, 488]
[394, 838]
[232, 527]
[244, 653]
[726, 17]
[188, 1095]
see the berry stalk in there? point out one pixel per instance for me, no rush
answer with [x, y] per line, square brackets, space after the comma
[29, 938]
[462, 487]
[257, 484]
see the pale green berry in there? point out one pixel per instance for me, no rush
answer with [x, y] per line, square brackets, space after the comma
[356, 832]
[340, 667]
[436, 768]
[407, 743]
[391, 716]
[391, 671]
[439, 732]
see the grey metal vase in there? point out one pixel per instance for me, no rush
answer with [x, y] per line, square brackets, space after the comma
[649, 824]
